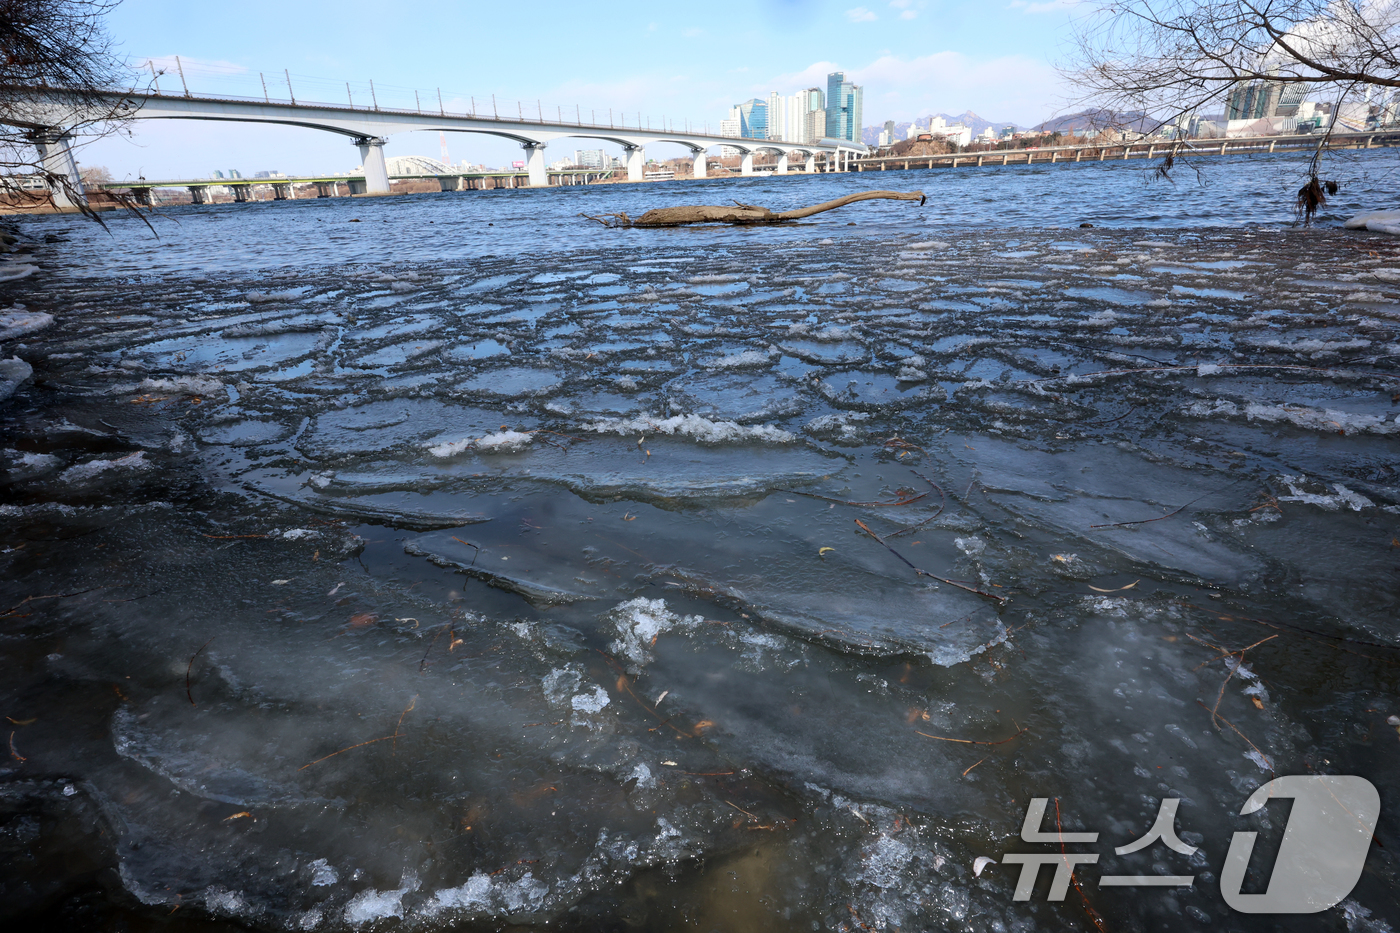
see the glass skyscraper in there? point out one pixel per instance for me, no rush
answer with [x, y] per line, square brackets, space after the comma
[753, 119]
[843, 107]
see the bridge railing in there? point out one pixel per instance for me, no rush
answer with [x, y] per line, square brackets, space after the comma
[1194, 146]
[643, 124]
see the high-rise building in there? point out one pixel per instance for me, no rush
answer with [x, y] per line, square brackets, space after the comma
[591, 158]
[730, 127]
[753, 119]
[1252, 100]
[1290, 98]
[843, 107]
[886, 134]
[777, 116]
[799, 118]
[813, 114]
[788, 116]
[792, 119]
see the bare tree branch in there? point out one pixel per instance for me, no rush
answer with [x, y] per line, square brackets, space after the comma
[1171, 60]
[1172, 57]
[55, 60]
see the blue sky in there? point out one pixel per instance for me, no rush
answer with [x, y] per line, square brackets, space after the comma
[914, 57]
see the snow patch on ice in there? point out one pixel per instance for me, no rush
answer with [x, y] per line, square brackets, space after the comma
[694, 426]
[13, 373]
[475, 893]
[16, 323]
[374, 905]
[1328, 420]
[638, 623]
[643, 775]
[258, 298]
[371, 905]
[564, 688]
[910, 374]
[1359, 919]
[480, 893]
[182, 385]
[1314, 346]
[839, 428]
[323, 873]
[86, 471]
[590, 702]
[499, 442]
[747, 359]
[1342, 498]
[222, 901]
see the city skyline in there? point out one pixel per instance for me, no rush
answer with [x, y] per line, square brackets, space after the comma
[940, 58]
[804, 117]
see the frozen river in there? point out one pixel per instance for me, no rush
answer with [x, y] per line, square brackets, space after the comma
[453, 562]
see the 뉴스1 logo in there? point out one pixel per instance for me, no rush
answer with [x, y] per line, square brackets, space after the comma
[1319, 862]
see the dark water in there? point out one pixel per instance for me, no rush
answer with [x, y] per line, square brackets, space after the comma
[310, 234]
[425, 574]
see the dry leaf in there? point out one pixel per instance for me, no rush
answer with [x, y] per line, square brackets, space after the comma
[1118, 590]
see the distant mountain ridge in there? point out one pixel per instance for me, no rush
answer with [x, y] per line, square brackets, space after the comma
[1099, 120]
[870, 135]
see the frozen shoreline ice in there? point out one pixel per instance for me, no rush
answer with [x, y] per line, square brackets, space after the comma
[670, 646]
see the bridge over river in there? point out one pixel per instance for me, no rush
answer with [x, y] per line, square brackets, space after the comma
[51, 120]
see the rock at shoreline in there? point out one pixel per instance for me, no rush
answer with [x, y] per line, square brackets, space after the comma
[13, 373]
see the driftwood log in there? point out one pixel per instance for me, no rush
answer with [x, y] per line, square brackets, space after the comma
[742, 213]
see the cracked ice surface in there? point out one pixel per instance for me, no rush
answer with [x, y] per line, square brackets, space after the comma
[525, 595]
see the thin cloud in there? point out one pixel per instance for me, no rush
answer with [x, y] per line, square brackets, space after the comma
[861, 15]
